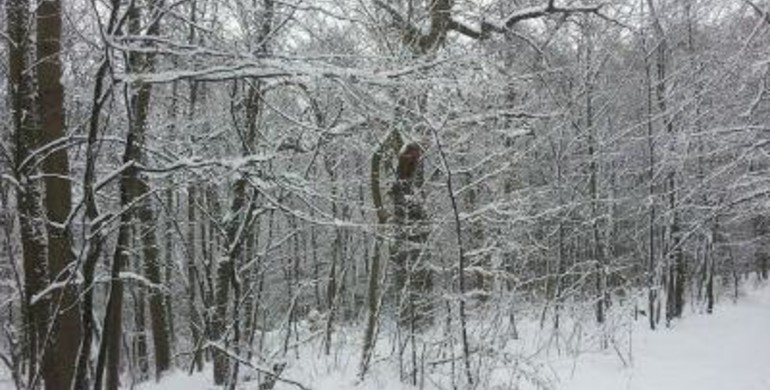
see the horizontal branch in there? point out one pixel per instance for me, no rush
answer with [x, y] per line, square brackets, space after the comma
[486, 27]
[548, 9]
[278, 68]
[124, 277]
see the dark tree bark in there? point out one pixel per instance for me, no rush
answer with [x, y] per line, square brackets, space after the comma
[241, 210]
[197, 325]
[61, 355]
[31, 218]
[676, 272]
[109, 349]
[130, 191]
[94, 230]
[134, 188]
[140, 107]
[597, 247]
[413, 275]
[140, 357]
[393, 142]
[761, 255]
[92, 214]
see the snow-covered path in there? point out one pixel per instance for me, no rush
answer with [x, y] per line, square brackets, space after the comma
[729, 350]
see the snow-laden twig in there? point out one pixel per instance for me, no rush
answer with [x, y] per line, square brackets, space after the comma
[254, 367]
[272, 68]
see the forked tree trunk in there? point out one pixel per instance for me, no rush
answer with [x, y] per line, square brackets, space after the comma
[92, 214]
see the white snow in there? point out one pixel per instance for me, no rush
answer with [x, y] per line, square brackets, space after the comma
[181, 381]
[5, 378]
[728, 350]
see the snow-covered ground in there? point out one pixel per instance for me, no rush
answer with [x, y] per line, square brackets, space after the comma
[729, 350]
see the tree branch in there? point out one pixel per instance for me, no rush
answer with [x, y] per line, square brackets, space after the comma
[248, 364]
[550, 8]
[760, 12]
[486, 28]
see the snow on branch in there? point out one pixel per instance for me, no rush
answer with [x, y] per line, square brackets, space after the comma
[498, 114]
[486, 27]
[272, 68]
[124, 276]
[234, 356]
[540, 11]
[143, 281]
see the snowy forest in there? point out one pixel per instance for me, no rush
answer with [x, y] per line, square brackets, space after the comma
[416, 194]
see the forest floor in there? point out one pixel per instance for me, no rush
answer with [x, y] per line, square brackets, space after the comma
[729, 349]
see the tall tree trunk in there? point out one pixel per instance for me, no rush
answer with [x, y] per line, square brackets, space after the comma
[112, 332]
[652, 291]
[139, 351]
[31, 219]
[373, 286]
[593, 167]
[333, 285]
[461, 262]
[226, 275]
[676, 271]
[193, 273]
[241, 208]
[139, 107]
[171, 210]
[61, 358]
[197, 326]
[236, 233]
[94, 231]
[133, 188]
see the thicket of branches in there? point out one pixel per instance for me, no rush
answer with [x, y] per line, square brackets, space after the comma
[230, 181]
